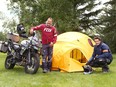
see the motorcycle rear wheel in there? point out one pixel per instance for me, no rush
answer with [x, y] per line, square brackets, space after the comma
[8, 64]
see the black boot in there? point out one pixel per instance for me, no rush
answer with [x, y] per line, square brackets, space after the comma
[105, 69]
[49, 65]
[45, 71]
[44, 66]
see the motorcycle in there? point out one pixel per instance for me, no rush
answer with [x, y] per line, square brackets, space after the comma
[24, 54]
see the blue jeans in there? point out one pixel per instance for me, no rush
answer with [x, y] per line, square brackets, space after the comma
[47, 52]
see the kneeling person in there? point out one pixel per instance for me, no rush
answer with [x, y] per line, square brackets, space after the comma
[101, 57]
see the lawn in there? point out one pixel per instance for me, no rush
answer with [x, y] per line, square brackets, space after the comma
[18, 78]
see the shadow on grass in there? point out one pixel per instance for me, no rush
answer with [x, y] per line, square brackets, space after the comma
[15, 70]
[18, 69]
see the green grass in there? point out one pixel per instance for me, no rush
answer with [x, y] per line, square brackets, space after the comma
[18, 78]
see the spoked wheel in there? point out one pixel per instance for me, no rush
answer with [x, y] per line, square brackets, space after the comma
[9, 63]
[33, 67]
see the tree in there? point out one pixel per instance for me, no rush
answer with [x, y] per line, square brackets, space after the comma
[109, 22]
[2, 35]
[1, 16]
[9, 25]
[68, 15]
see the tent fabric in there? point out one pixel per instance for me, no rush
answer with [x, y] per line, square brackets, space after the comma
[71, 51]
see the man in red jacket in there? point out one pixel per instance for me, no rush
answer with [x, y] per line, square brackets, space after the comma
[49, 37]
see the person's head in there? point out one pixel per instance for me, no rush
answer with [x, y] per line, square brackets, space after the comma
[97, 40]
[49, 22]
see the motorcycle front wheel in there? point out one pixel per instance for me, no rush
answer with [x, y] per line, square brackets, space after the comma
[33, 67]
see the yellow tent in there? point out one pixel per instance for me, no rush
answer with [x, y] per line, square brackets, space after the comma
[71, 51]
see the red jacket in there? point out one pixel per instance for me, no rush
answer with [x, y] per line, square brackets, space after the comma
[49, 34]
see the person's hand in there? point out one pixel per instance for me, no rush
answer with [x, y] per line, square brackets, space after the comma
[51, 44]
[31, 31]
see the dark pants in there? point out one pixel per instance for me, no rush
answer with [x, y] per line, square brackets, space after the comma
[47, 52]
[100, 62]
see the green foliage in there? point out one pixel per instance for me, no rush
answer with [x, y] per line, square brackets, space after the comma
[68, 15]
[2, 36]
[1, 16]
[109, 21]
[9, 26]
